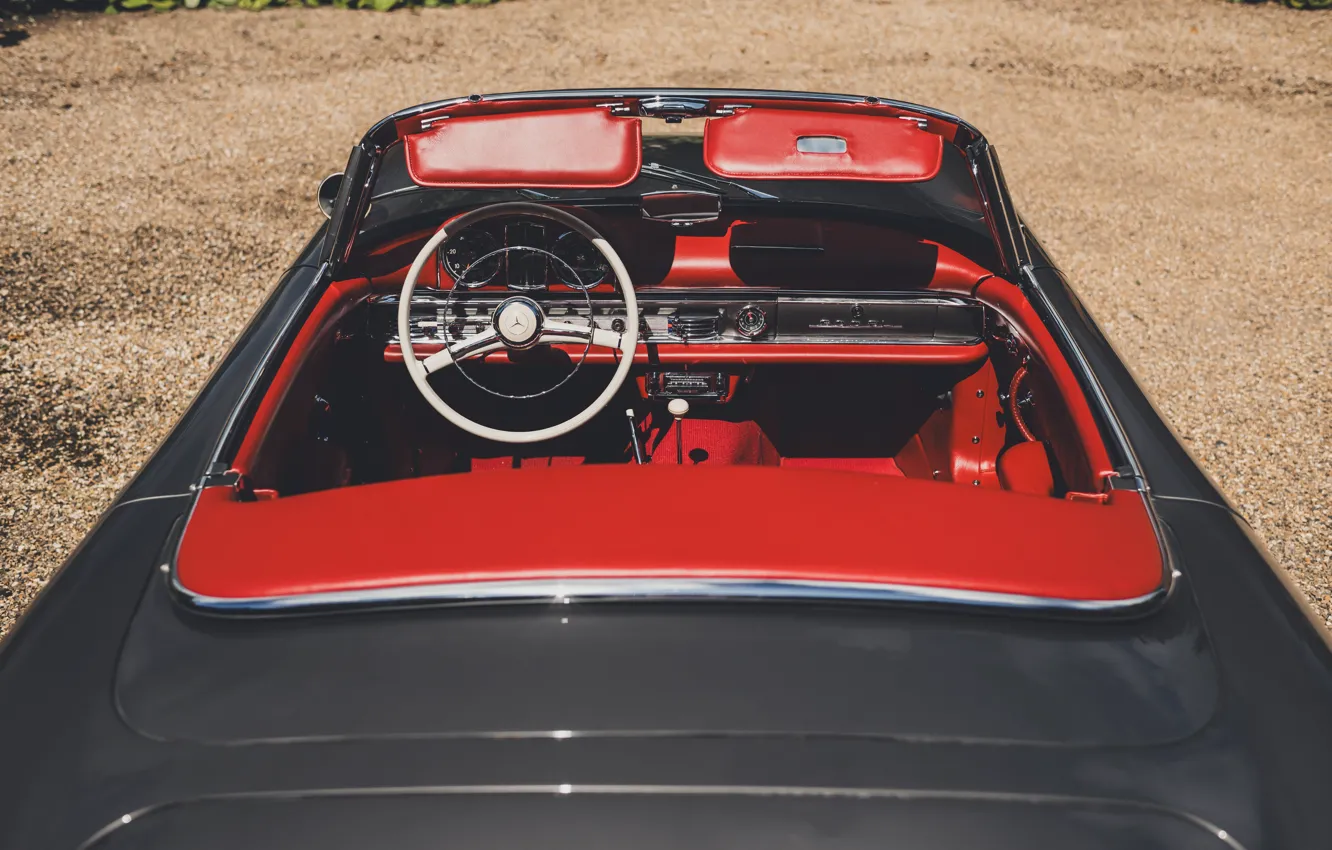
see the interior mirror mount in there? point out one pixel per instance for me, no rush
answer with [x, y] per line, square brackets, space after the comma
[681, 207]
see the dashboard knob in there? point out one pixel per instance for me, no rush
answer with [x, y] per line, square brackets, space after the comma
[751, 321]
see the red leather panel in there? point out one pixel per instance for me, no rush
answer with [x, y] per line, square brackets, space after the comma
[747, 352]
[1025, 468]
[799, 524]
[703, 259]
[761, 144]
[560, 149]
[975, 434]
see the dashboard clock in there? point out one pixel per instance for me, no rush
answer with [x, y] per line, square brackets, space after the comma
[751, 321]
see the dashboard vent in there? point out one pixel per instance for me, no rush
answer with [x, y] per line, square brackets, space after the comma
[691, 326]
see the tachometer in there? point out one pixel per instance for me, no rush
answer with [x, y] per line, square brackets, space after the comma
[468, 258]
[583, 267]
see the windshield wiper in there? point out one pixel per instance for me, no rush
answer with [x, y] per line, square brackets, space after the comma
[665, 172]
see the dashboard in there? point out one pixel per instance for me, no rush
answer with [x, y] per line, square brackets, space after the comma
[809, 293]
[743, 317]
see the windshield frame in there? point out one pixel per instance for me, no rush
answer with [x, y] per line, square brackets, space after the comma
[366, 160]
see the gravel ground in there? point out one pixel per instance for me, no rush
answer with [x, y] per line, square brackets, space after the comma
[158, 173]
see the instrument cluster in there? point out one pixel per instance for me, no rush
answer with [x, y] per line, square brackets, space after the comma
[522, 254]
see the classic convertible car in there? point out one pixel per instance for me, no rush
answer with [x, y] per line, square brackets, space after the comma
[669, 469]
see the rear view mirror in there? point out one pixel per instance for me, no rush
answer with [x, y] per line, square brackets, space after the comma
[328, 193]
[681, 207]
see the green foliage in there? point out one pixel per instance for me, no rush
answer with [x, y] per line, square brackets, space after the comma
[28, 7]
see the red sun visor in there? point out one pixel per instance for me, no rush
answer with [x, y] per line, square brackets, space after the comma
[557, 149]
[788, 144]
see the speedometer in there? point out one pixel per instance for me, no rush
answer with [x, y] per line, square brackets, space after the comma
[469, 258]
[581, 265]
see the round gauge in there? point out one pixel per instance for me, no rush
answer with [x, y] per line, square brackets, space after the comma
[589, 268]
[751, 321]
[470, 259]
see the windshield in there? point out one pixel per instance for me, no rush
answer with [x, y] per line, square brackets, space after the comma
[945, 209]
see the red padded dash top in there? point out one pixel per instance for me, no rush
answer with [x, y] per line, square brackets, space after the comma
[555, 149]
[765, 144]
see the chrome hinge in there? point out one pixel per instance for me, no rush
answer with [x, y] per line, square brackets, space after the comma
[1125, 479]
[218, 475]
[920, 122]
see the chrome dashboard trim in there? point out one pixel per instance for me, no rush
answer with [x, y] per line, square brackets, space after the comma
[657, 305]
[566, 591]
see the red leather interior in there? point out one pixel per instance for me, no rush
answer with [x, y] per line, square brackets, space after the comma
[1025, 468]
[761, 143]
[798, 524]
[703, 258]
[1009, 301]
[562, 149]
[270, 429]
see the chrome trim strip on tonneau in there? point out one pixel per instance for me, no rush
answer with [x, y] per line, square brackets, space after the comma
[563, 789]
[565, 591]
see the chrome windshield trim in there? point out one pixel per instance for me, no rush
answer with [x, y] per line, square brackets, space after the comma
[565, 591]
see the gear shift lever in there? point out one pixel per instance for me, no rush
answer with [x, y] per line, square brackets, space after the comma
[633, 436]
[678, 408]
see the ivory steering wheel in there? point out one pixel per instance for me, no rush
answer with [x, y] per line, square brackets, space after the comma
[519, 323]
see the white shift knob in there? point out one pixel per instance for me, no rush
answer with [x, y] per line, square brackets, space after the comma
[678, 407]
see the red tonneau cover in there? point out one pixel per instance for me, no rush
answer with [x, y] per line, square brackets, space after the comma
[598, 522]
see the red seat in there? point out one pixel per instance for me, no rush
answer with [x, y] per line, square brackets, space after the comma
[1025, 468]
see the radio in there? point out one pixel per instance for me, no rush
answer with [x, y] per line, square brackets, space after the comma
[703, 386]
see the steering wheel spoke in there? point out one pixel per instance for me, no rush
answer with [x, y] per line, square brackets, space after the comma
[567, 332]
[476, 344]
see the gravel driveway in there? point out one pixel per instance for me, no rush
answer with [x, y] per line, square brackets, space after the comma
[158, 172]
